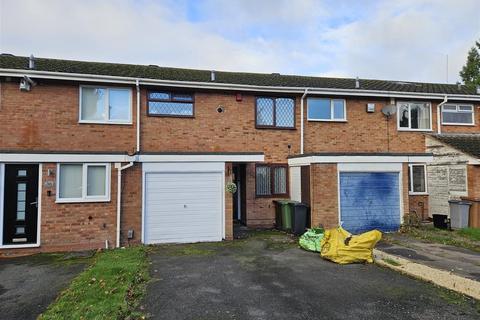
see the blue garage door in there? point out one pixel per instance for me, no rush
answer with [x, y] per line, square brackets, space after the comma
[369, 200]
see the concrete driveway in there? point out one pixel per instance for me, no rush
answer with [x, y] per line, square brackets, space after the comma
[267, 277]
[29, 284]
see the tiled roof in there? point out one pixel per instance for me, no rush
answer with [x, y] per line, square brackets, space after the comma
[8, 61]
[468, 143]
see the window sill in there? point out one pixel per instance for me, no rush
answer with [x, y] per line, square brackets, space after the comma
[82, 200]
[418, 193]
[414, 130]
[170, 116]
[106, 122]
[19, 246]
[459, 124]
[326, 120]
[275, 128]
[273, 196]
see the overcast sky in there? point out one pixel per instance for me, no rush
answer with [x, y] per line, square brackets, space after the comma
[401, 39]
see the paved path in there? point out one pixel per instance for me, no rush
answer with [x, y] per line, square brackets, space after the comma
[463, 262]
[29, 284]
[264, 278]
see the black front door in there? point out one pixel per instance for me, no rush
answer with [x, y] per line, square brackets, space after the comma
[20, 208]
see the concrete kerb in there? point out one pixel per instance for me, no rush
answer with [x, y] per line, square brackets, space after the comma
[439, 277]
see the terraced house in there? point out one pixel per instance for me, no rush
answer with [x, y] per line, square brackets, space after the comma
[101, 154]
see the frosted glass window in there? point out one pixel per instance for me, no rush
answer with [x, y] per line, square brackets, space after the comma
[93, 104]
[70, 181]
[280, 180]
[96, 181]
[265, 110]
[271, 180]
[263, 181]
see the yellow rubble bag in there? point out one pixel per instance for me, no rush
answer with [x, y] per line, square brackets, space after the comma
[339, 246]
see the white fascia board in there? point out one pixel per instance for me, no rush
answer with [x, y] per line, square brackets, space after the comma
[303, 161]
[370, 167]
[229, 86]
[65, 157]
[201, 158]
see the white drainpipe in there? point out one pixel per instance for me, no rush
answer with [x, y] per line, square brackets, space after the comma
[439, 107]
[137, 82]
[119, 196]
[301, 119]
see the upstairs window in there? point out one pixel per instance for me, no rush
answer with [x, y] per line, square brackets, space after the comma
[276, 113]
[105, 105]
[169, 104]
[271, 180]
[457, 114]
[322, 109]
[414, 116]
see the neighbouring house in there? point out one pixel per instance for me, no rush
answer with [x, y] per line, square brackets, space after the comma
[454, 173]
[102, 154]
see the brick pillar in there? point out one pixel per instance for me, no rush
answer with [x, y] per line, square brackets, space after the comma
[324, 195]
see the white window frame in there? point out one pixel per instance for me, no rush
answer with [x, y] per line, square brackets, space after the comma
[85, 197]
[410, 117]
[410, 173]
[344, 119]
[106, 106]
[457, 105]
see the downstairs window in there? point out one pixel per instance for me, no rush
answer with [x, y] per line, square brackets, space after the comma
[271, 180]
[417, 179]
[83, 182]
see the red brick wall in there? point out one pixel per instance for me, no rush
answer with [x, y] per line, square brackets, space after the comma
[363, 132]
[473, 177]
[367, 132]
[131, 216]
[231, 131]
[419, 205]
[324, 195]
[260, 210]
[46, 118]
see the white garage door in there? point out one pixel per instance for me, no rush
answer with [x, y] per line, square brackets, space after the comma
[183, 207]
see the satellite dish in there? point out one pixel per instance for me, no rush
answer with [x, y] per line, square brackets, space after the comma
[389, 110]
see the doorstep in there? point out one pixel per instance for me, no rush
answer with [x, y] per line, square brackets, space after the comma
[451, 267]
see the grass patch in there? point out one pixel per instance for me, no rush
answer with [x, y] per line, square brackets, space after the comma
[109, 289]
[470, 233]
[465, 238]
[391, 262]
[195, 249]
